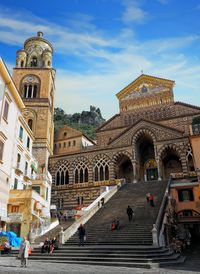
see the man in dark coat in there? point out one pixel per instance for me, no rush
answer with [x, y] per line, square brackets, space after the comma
[129, 213]
[46, 246]
[81, 234]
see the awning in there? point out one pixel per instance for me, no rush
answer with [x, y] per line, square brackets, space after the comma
[34, 168]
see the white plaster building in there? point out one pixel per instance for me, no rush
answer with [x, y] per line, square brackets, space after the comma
[24, 190]
[10, 108]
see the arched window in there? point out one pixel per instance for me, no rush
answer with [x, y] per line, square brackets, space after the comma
[30, 86]
[86, 175]
[101, 173]
[81, 175]
[62, 175]
[76, 176]
[34, 91]
[57, 178]
[34, 62]
[66, 177]
[101, 168]
[106, 172]
[22, 64]
[30, 124]
[81, 170]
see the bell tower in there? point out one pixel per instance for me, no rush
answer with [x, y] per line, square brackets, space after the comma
[35, 80]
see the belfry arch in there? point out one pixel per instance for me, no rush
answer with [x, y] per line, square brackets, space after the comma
[123, 167]
[144, 154]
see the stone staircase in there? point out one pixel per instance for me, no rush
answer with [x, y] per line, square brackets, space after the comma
[136, 232]
[131, 245]
[124, 256]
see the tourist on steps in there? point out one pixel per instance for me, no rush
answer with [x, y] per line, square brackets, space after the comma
[53, 245]
[129, 213]
[147, 197]
[46, 246]
[81, 234]
[113, 225]
[151, 200]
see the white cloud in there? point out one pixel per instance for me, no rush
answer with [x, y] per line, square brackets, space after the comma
[110, 63]
[133, 12]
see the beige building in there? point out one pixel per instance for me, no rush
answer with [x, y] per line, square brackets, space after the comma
[148, 140]
[195, 143]
[68, 139]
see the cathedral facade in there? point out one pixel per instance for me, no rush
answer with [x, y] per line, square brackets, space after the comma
[148, 140]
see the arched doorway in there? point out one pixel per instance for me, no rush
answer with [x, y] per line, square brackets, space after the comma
[145, 155]
[151, 170]
[123, 168]
[171, 162]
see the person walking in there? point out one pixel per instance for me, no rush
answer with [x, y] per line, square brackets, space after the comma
[81, 234]
[151, 200]
[147, 197]
[129, 211]
[24, 252]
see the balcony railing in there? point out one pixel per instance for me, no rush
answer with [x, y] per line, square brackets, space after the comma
[92, 184]
[27, 174]
[18, 167]
[42, 176]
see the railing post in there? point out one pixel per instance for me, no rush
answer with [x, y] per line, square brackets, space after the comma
[154, 232]
[61, 236]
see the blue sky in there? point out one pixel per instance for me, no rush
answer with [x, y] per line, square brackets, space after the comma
[100, 46]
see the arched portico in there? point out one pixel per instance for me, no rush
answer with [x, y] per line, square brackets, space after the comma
[171, 161]
[144, 143]
[123, 167]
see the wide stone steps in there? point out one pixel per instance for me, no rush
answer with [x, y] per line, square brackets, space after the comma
[120, 256]
[134, 232]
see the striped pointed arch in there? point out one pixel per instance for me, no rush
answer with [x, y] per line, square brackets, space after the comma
[143, 132]
[80, 170]
[119, 158]
[61, 176]
[119, 154]
[101, 167]
[168, 147]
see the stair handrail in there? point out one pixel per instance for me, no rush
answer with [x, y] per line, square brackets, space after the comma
[160, 216]
[65, 235]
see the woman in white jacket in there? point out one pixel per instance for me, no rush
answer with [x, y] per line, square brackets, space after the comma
[24, 252]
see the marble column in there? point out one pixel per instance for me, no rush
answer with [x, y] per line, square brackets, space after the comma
[134, 171]
[159, 168]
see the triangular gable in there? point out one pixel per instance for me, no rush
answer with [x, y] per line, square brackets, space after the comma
[159, 131]
[144, 84]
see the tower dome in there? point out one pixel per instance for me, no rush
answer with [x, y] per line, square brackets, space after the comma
[37, 53]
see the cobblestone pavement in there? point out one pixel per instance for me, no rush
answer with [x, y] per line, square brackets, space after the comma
[11, 265]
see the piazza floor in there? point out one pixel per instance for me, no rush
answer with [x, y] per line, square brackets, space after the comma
[11, 265]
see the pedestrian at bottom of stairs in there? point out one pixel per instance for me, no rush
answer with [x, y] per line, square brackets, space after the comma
[130, 213]
[24, 252]
[81, 235]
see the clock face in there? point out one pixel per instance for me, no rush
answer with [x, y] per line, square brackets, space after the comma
[30, 78]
